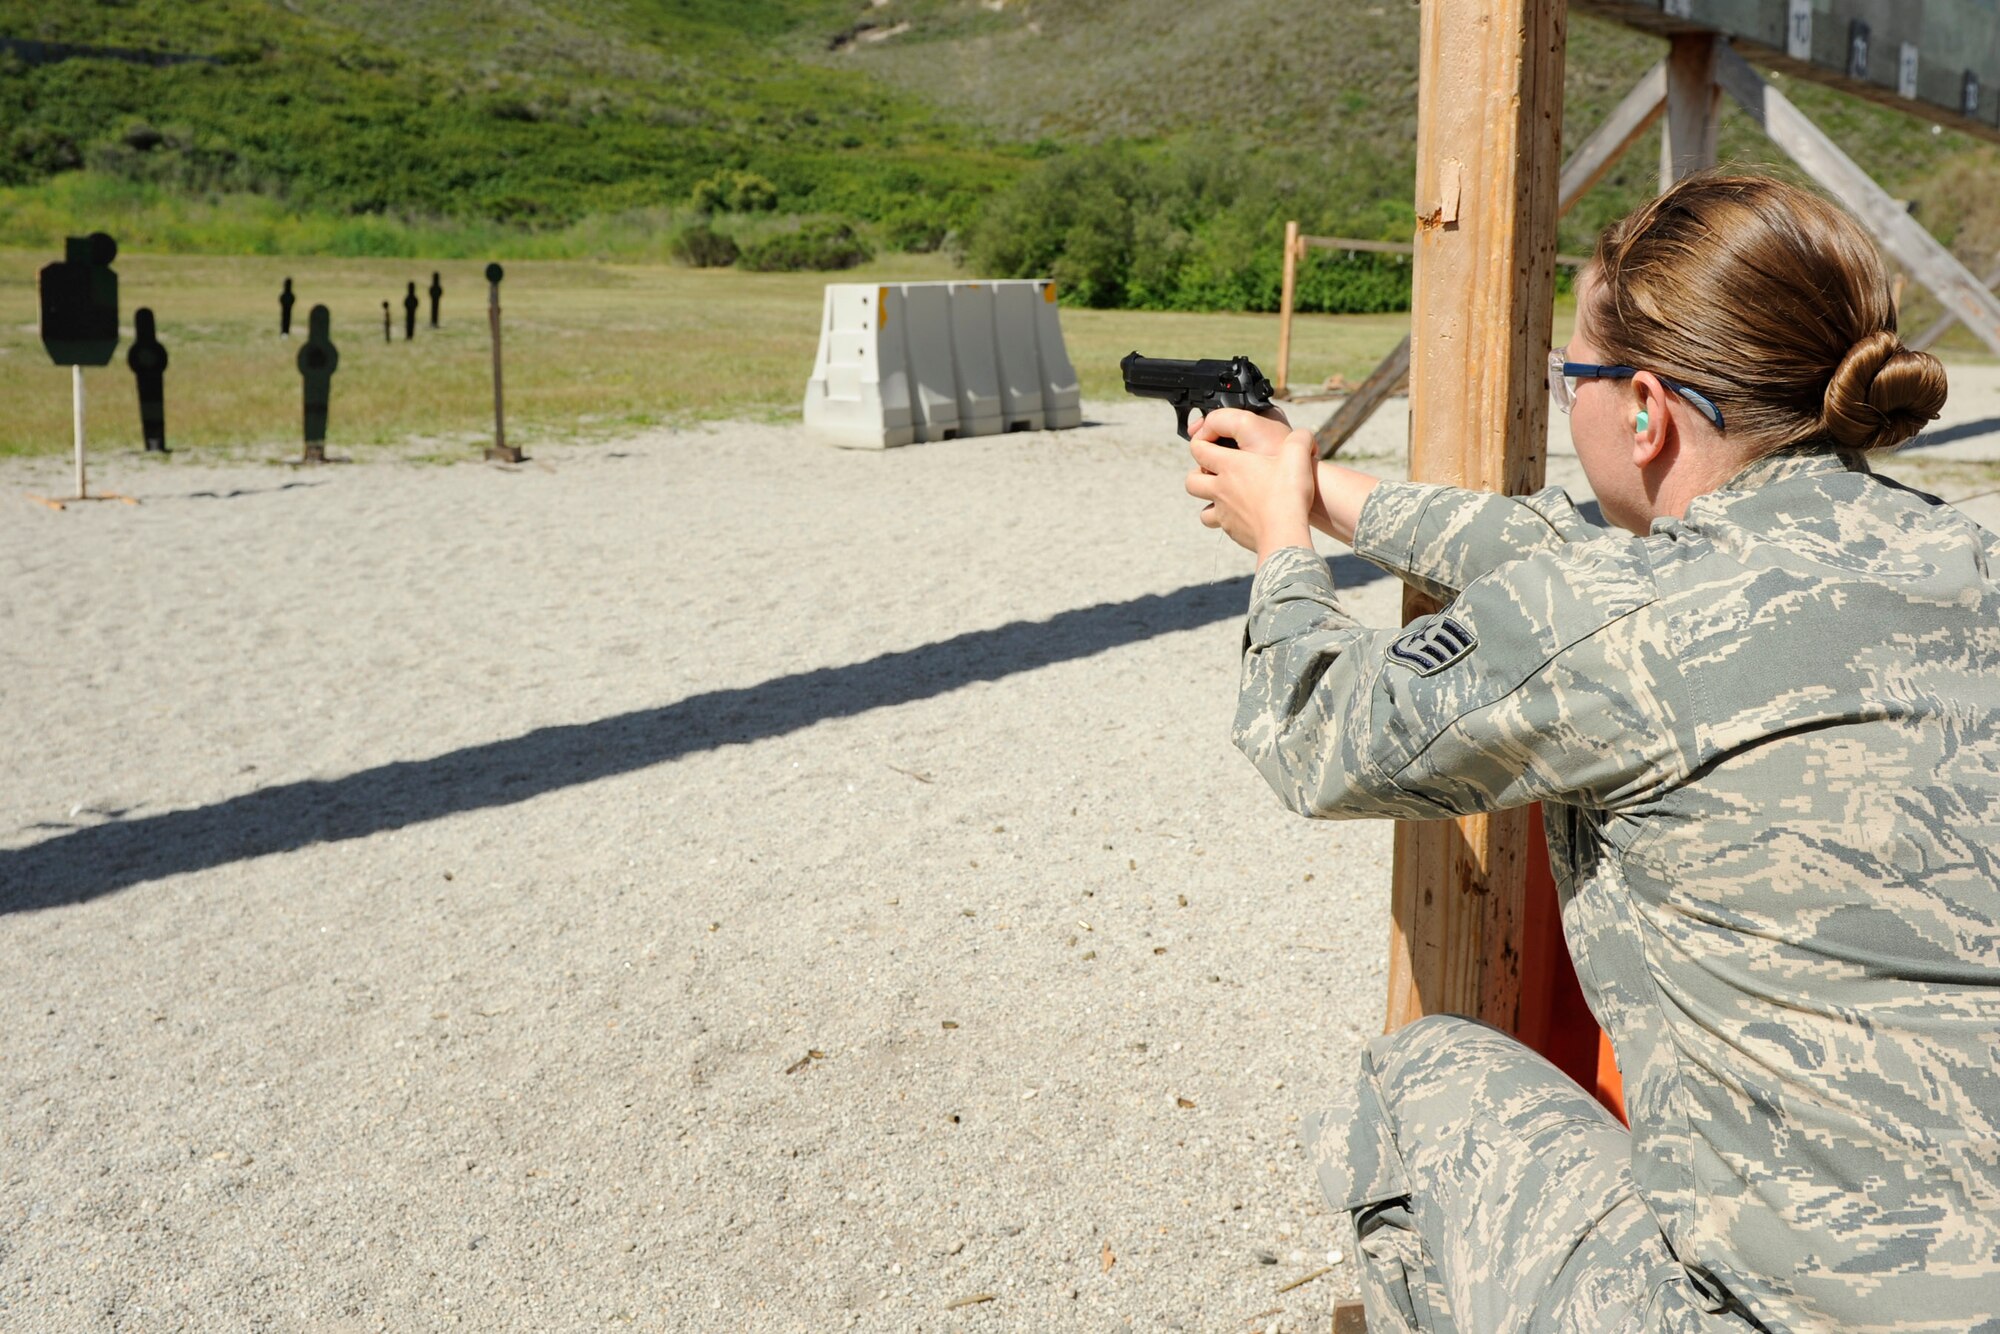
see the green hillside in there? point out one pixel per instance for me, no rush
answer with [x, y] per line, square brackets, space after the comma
[1144, 152]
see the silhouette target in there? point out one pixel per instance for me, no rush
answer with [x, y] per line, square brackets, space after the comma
[148, 361]
[80, 302]
[318, 360]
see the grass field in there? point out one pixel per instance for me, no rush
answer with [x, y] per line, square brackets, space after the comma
[591, 349]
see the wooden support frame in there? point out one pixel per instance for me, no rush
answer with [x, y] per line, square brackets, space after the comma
[1687, 88]
[1887, 221]
[1694, 106]
[1488, 189]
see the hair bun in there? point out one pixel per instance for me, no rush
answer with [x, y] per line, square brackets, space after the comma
[1882, 393]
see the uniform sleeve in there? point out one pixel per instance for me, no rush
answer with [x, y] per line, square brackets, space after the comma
[1442, 538]
[1546, 679]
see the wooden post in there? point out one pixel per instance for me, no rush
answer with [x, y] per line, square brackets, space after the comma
[76, 402]
[1285, 294]
[1489, 116]
[1694, 103]
[1887, 221]
[1592, 160]
[500, 451]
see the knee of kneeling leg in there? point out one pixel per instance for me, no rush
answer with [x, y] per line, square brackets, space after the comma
[1432, 1033]
[1437, 1049]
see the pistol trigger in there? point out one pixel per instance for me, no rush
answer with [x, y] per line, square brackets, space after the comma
[1181, 410]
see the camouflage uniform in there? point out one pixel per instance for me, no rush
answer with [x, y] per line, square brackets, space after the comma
[1768, 737]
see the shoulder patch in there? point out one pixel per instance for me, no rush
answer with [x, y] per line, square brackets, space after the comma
[1434, 646]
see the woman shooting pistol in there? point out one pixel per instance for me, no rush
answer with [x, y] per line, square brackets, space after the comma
[1763, 712]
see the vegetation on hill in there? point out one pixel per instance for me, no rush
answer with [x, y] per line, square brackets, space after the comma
[1145, 153]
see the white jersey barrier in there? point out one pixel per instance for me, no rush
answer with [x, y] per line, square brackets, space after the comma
[904, 362]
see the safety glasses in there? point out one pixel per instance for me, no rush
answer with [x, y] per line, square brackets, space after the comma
[1564, 376]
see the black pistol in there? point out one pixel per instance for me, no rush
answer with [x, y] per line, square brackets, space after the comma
[1199, 386]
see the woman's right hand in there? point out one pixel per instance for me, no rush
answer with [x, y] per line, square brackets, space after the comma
[1338, 492]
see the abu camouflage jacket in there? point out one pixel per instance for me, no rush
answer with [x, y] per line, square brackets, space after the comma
[1768, 735]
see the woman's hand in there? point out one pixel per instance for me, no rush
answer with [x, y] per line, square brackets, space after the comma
[1252, 431]
[1261, 497]
[1338, 492]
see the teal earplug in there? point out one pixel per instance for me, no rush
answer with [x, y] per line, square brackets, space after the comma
[1643, 422]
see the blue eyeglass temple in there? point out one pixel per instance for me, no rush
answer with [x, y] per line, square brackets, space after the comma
[1583, 370]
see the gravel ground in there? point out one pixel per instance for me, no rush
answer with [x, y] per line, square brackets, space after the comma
[705, 881]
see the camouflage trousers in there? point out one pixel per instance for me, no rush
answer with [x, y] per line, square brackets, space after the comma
[1490, 1194]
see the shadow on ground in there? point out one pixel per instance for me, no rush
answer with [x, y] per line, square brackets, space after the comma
[1963, 431]
[86, 863]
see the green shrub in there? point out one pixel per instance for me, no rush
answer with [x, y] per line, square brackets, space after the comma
[709, 196]
[817, 246]
[700, 246]
[917, 228]
[37, 150]
[751, 193]
[734, 192]
[1190, 229]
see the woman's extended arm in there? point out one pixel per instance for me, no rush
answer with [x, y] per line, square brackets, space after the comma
[1437, 538]
[1342, 492]
[1543, 681]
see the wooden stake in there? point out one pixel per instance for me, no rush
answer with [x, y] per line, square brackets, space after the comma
[1285, 293]
[76, 398]
[1489, 116]
[500, 451]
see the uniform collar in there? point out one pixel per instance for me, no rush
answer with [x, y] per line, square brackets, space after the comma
[1786, 465]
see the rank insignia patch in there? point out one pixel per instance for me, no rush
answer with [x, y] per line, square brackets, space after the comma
[1431, 648]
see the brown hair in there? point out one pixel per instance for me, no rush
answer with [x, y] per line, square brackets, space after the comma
[1772, 302]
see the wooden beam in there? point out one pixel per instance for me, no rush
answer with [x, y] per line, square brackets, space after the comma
[1889, 222]
[1597, 155]
[1694, 105]
[1383, 383]
[1950, 36]
[1591, 162]
[1489, 116]
[1942, 325]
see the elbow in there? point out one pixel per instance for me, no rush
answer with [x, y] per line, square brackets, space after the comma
[1316, 786]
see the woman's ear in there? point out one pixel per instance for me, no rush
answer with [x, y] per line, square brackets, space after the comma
[1652, 420]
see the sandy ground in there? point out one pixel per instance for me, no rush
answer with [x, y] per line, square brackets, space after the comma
[708, 881]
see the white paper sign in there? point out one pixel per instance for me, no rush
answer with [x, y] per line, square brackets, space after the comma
[1680, 9]
[1798, 31]
[1906, 71]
